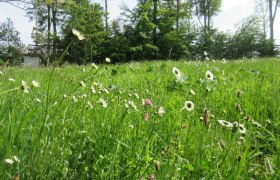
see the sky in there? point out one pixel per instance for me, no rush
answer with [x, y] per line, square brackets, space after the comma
[232, 12]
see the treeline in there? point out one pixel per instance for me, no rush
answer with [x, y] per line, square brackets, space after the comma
[154, 29]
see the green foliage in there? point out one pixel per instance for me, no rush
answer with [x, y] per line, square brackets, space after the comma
[10, 44]
[92, 126]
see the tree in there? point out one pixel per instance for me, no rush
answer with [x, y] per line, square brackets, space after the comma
[10, 44]
[272, 6]
[206, 9]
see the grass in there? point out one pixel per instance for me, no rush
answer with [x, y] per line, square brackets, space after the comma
[61, 130]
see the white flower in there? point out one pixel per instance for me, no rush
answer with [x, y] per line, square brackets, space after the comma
[94, 65]
[136, 95]
[1, 73]
[207, 59]
[103, 102]
[225, 123]
[205, 53]
[92, 89]
[12, 79]
[256, 124]
[188, 105]
[38, 100]
[24, 87]
[192, 92]
[209, 75]
[83, 84]
[16, 159]
[9, 161]
[78, 34]
[161, 111]
[179, 77]
[176, 71]
[74, 99]
[35, 84]
[240, 127]
[108, 60]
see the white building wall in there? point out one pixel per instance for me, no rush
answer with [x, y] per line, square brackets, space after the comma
[32, 61]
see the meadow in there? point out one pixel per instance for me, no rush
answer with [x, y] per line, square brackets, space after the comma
[149, 120]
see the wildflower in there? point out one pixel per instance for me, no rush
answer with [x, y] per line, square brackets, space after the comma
[189, 106]
[35, 84]
[161, 111]
[103, 102]
[179, 76]
[94, 65]
[64, 95]
[146, 116]
[12, 79]
[92, 90]
[83, 84]
[256, 124]
[209, 75]
[78, 34]
[83, 70]
[38, 100]
[136, 95]
[147, 102]
[176, 71]
[107, 60]
[223, 61]
[89, 105]
[240, 127]
[205, 53]
[9, 161]
[131, 104]
[225, 123]
[192, 92]
[16, 159]
[1, 73]
[74, 99]
[157, 165]
[207, 59]
[152, 177]
[24, 87]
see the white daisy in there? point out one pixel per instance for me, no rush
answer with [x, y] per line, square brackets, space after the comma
[188, 105]
[35, 84]
[24, 87]
[225, 123]
[209, 75]
[9, 161]
[161, 111]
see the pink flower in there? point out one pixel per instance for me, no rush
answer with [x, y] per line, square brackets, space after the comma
[146, 116]
[147, 102]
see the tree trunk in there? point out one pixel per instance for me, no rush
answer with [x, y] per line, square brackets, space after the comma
[177, 15]
[54, 13]
[272, 15]
[49, 33]
[155, 3]
[106, 16]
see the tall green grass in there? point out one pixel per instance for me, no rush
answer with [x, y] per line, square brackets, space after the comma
[61, 130]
